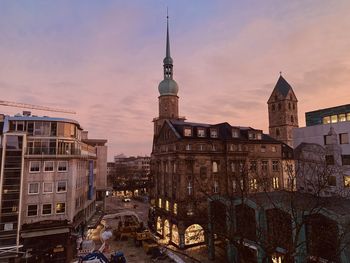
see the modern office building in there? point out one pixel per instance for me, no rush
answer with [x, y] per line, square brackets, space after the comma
[49, 179]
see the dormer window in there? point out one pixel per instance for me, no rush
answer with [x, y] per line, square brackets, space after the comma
[235, 133]
[187, 132]
[201, 132]
[254, 136]
[258, 136]
[213, 133]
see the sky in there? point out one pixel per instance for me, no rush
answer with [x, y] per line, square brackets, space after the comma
[103, 59]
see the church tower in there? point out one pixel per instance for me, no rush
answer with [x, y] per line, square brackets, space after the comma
[168, 89]
[283, 112]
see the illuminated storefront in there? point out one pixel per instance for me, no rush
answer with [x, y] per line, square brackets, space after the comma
[194, 234]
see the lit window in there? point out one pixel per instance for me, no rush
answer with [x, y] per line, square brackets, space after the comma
[201, 132]
[348, 116]
[213, 133]
[48, 166]
[47, 187]
[275, 182]
[344, 138]
[253, 184]
[175, 208]
[34, 167]
[273, 149]
[61, 187]
[60, 208]
[215, 167]
[326, 120]
[235, 133]
[46, 209]
[187, 132]
[334, 118]
[346, 180]
[32, 210]
[342, 117]
[62, 166]
[275, 166]
[33, 188]
[160, 202]
[166, 205]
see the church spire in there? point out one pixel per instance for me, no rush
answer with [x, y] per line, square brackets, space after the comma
[167, 55]
[167, 61]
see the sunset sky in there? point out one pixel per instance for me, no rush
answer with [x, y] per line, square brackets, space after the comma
[103, 59]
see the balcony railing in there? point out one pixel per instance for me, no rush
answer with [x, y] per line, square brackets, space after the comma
[56, 151]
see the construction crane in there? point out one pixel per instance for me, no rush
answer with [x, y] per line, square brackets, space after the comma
[34, 107]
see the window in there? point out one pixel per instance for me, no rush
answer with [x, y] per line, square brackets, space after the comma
[188, 147]
[48, 166]
[327, 139]
[34, 167]
[289, 107]
[189, 188]
[62, 166]
[326, 120]
[19, 126]
[253, 166]
[273, 149]
[291, 118]
[251, 136]
[275, 166]
[47, 187]
[275, 182]
[61, 187]
[160, 202]
[201, 147]
[264, 166]
[46, 209]
[279, 106]
[203, 173]
[187, 132]
[344, 138]
[263, 148]
[33, 188]
[235, 133]
[213, 133]
[234, 186]
[32, 210]
[175, 208]
[213, 147]
[273, 107]
[334, 118]
[345, 159]
[348, 116]
[346, 180]
[215, 167]
[60, 208]
[329, 159]
[201, 132]
[216, 187]
[253, 184]
[166, 205]
[342, 117]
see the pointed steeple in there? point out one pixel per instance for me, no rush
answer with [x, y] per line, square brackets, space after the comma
[168, 86]
[282, 86]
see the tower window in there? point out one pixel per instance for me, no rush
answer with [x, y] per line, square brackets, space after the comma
[273, 107]
[291, 118]
[289, 107]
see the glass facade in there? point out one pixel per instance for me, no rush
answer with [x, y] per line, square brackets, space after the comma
[329, 115]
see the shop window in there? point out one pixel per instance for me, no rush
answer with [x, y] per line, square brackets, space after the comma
[344, 138]
[32, 210]
[48, 166]
[33, 188]
[34, 167]
[62, 166]
[46, 209]
[201, 132]
[194, 234]
[60, 208]
[47, 188]
[166, 231]
[61, 187]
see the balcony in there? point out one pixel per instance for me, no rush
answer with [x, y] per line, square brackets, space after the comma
[53, 151]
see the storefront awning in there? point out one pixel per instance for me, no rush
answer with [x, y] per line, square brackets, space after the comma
[44, 232]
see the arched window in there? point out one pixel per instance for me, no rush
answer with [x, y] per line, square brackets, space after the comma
[194, 234]
[291, 118]
[166, 230]
[289, 107]
[175, 235]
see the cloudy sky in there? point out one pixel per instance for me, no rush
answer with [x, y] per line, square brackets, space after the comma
[103, 59]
